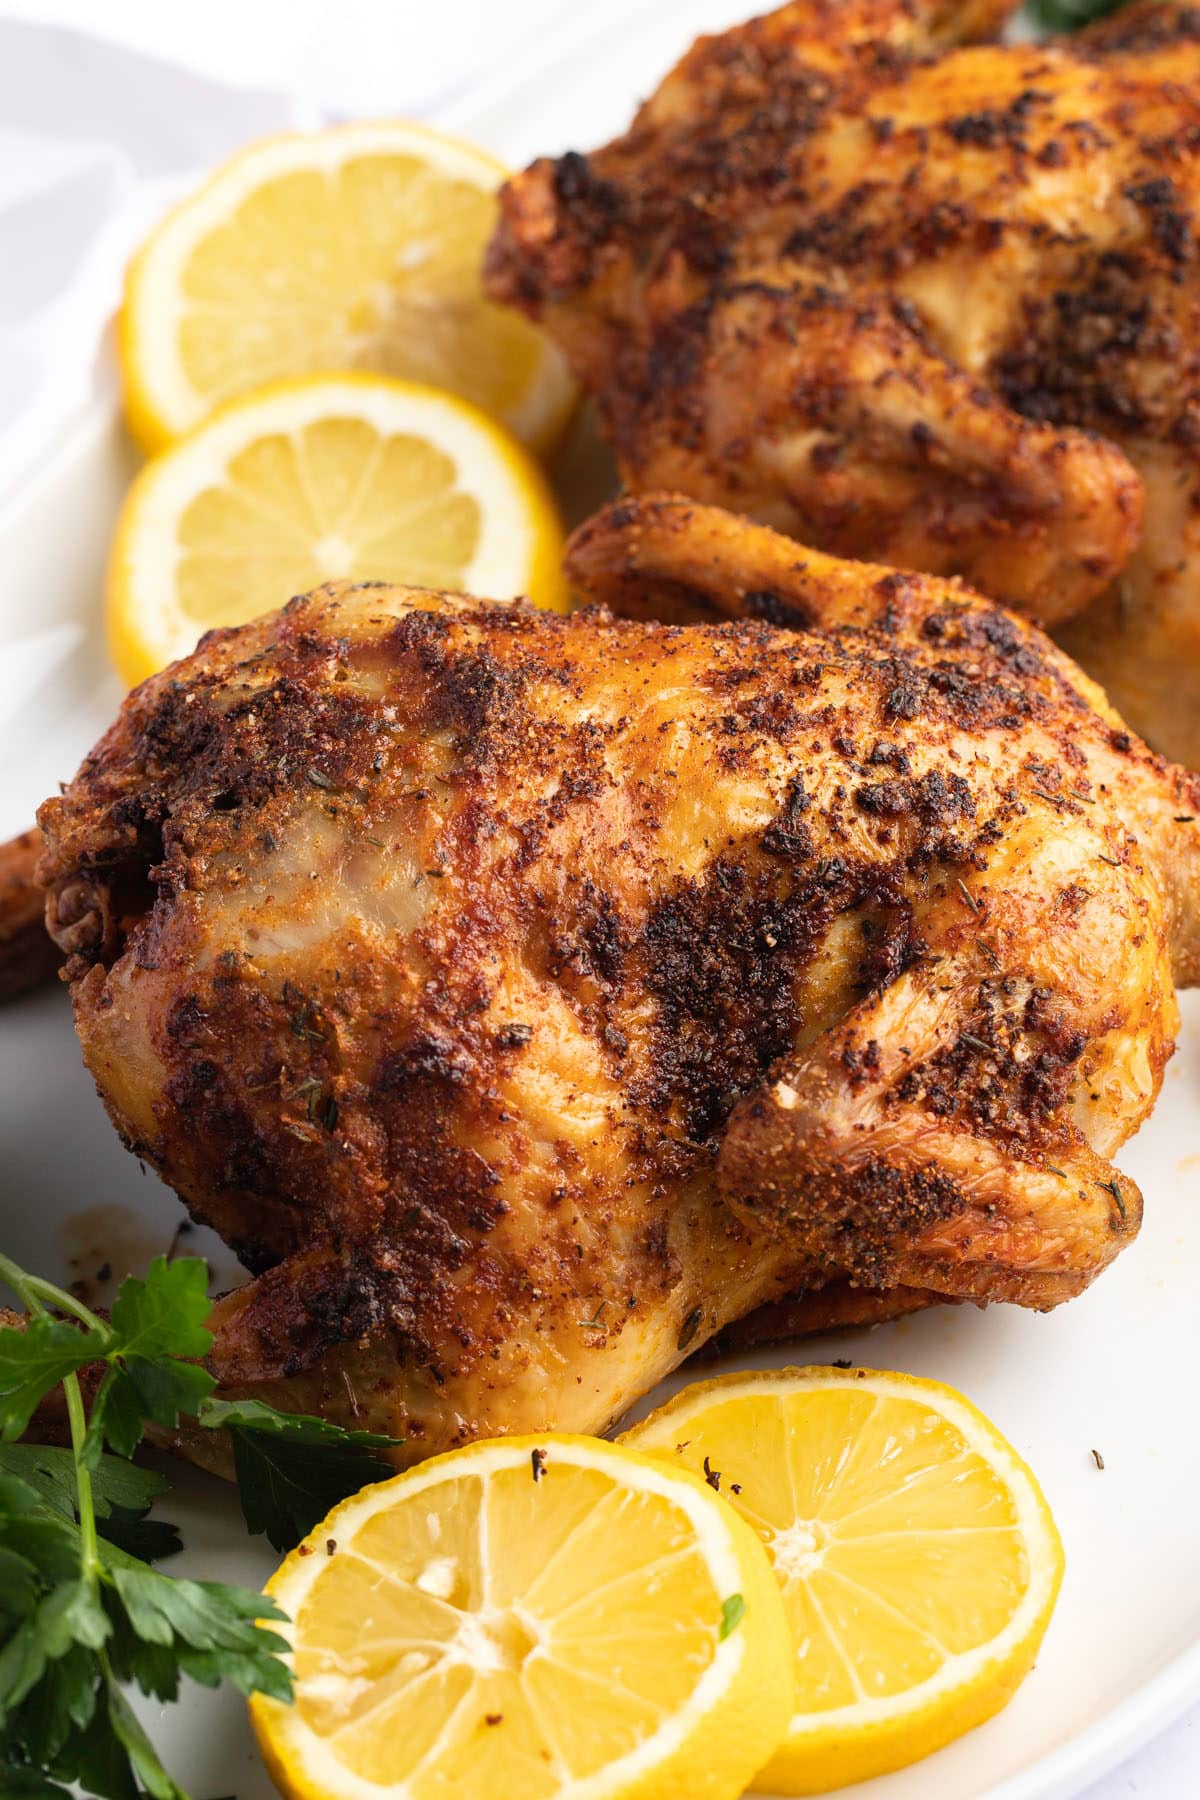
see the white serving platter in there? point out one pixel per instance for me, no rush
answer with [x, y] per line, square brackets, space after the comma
[1112, 1372]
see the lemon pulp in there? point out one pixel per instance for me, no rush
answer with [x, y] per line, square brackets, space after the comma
[916, 1556]
[357, 247]
[603, 1626]
[334, 478]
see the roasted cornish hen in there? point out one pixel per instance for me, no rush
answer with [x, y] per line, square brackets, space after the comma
[915, 298]
[526, 998]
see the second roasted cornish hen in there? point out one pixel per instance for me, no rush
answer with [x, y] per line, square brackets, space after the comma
[526, 998]
[914, 298]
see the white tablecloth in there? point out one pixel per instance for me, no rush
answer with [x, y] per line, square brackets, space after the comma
[90, 135]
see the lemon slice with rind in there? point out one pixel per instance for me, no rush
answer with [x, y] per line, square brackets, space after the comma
[335, 477]
[356, 247]
[918, 1560]
[526, 1619]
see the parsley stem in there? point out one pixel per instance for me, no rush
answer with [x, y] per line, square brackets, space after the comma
[34, 1291]
[65, 1302]
[23, 1286]
[90, 1549]
[36, 1294]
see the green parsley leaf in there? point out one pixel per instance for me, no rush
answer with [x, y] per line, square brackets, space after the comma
[30, 1529]
[122, 1494]
[157, 1329]
[33, 1361]
[153, 1667]
[208, 1616]
[96, 1758]
[81, 1610]
[163, 1316]
[300, 1428]
[136, 1390]
[71, 1613]
[71, 1616]
[22, 1665]
[116, 1418]
[65, 1698]
[28, 1784]
[18, 1585]
[733, 1611]
[145, 1540]
[143, 1758]
[50, 1471]
[292, 1467]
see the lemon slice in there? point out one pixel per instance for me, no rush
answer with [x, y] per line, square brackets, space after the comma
[918, 1560]
[358, 247]
[527, 1618]
[333, 477]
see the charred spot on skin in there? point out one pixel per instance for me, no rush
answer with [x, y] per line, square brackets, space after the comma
[577, 185]
[537, 1463]
[721, 955]
[788, 836]
[931, 799]
[760, 603]
[991, 127]
[1170, 224]
[513, 1037]
[1007, 1074]
[865, 1213]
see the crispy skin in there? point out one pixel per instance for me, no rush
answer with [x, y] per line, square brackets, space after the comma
[935, 304]
[455, 962]
[838, 1307]
[28, 955]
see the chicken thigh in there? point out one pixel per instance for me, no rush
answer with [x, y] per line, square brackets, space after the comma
[528, 998]
[912, 297]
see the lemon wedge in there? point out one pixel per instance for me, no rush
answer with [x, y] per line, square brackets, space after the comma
[357, 247]
[333, 477]
[528, 1618]
[918, 1560]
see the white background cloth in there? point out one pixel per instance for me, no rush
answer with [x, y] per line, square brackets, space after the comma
[92, 137]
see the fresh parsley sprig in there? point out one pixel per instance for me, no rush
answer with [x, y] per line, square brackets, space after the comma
[155, 1327]
[79, 1615]
[83, 1614]
[291, 1467]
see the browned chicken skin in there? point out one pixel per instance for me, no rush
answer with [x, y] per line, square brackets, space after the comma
[915, 298]
[28, 956]
[528, 998]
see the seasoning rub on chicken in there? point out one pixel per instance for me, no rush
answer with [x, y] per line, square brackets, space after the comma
[916, 298]
[527, 998]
